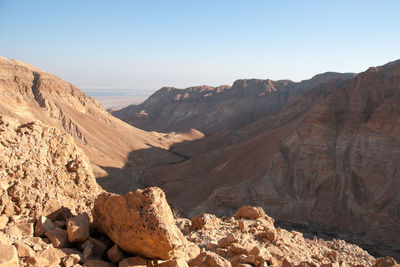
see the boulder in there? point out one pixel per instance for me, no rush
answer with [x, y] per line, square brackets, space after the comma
[140, 223]
[247, 212]
[43, 224]
[78, 228]
[8, 256]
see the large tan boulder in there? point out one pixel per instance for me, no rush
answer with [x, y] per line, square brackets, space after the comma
[8, 256]
[140, 223]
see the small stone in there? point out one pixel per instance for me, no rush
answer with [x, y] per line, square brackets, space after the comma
[8, 256]
[211, 246]
[173, 263]
[3, 221]
[184, 225]
[13, 231]
[225, 241]
[331, 264]
[24, 251]
[53, 255]
[4, 239]
[26, 228]
[88, 249]
[133, 262]
[71, 260]
[205, 221]
[59, 224]
[43, 225]
[96, 263]
[58, 237]
[78, 228]
[115, 254]
[37, 261]
[209, 259]
[99, 247]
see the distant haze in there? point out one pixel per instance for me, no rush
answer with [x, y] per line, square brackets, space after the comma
[150, 44]
[117, 98]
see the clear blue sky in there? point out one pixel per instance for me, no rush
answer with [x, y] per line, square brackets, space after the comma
[149, 44]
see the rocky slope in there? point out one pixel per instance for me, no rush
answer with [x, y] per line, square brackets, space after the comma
[155, 238]
[212, 109]
[328, 159]
[27, 93]
[54, 214]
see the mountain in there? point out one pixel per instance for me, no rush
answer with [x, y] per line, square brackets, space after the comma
[328, 159]
[28, 93]
[211, 109]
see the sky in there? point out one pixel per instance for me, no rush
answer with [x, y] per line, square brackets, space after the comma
[145, 45]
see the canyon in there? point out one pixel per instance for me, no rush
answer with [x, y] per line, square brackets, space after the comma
[327, 157]
[320, 154]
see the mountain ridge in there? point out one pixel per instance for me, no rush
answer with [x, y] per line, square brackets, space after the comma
[212, 109]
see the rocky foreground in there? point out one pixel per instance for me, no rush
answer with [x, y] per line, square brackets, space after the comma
[54, 214]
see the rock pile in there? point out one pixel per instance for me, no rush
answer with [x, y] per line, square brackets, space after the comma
[54, 214]
[139, 230]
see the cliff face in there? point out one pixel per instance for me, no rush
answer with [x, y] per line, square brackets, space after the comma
[212, 109]
[341, 165]
[328, 158]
